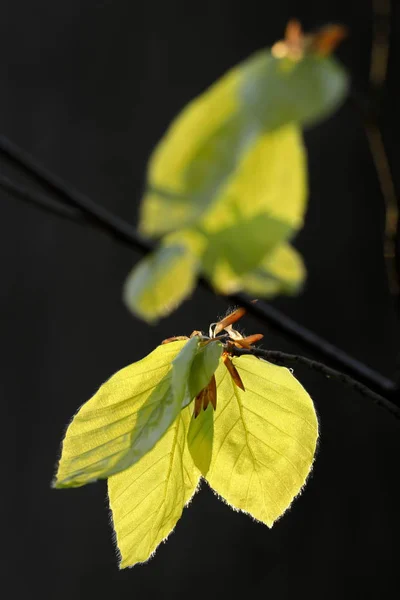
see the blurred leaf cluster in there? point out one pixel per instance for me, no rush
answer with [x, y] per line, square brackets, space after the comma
[226, 186]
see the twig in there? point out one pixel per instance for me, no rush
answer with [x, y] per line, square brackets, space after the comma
[284, 359]
[95, 214]
[41, 200]
[283, 324]
[105, 221]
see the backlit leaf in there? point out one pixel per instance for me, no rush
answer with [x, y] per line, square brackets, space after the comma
[264, 439]
[181, 368]
[200, 439]
[235, 235]
[232, 171]
[127, 416]
[147, 499]
[193, 368]
[203, 367]
[279, 91]
[199, 156]
[281, 271]
[197, 141]
[241, 232]
[161, 281]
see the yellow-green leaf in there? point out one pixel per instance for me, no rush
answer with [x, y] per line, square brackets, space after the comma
[181, 369]
[279, 91]
[161, 281]
[270, 179]
[193, 368]
[200, 439]
[147, 499]
[264, 439]
[261, 205]
[125, 418]
[281, 271]
[205, 145]
[194, 143]
[204, 366]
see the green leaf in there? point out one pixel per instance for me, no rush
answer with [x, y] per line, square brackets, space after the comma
[182, 367]
[206, 144]
[280, 91]
[264, 439]
[282, 271]
[241, 233]
[200, 439]
[127, 416]
[147, 499]
[197, 140]
[161, 281]
[204, 365]
[243, 245]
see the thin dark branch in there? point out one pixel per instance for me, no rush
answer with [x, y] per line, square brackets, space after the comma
[292, 330]
[41, 200]
[105, 221]
[287, 360]
[95, 214]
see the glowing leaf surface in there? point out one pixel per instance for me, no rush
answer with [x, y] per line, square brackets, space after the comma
[278, 91]
[264, 439]
[147, 499]
[204, 147]
[281, 271]
[200, 439]
[125, 418]
[204, 365]
[161, 281]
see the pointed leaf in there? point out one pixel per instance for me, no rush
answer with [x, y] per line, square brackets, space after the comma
[241, 247]
[261, 205]
[264, 439]
[279, 91]
[282, 271]
[182, 368]
[147, 499]
[200, 439]
[198, 139]
[161, 281]
[204, 365]
[126, 417]
[206, 143]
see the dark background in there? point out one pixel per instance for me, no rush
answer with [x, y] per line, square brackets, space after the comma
[88, 87]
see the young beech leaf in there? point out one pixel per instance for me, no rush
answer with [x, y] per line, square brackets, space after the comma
[204, 146]
[200, 439]
[241, 232]
[177, 165]
[264, 439]
[278, 91]
[203, 367]
[270, 179]
[147, 499]
[127, 416]
[235, 235]
[281, 271]
[192, 359]
[161, 281]
[164, 279]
